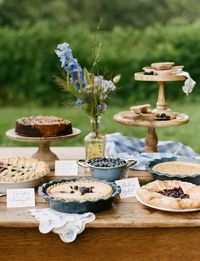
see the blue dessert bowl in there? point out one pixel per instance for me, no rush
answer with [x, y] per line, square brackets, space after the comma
[108, 173]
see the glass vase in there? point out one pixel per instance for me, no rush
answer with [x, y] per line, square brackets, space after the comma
[95, 141]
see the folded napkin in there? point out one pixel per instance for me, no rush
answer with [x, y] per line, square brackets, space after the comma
[129, 148]
[188, 84]
[67, 226]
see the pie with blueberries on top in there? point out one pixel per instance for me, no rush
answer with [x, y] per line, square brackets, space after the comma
[170, 194]
[79, 190]
[19, 169]
[43, 126]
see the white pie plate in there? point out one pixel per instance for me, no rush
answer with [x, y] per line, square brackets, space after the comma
[24, 184]
[167, 209]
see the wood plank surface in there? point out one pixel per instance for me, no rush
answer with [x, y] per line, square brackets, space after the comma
[166, 244]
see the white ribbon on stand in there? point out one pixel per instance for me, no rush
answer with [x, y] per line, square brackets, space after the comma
[188, 84]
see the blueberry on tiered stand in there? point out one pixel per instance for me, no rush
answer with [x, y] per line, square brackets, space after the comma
[161, 116]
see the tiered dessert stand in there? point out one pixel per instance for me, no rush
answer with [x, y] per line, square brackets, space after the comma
[44, 152]
[161, 107]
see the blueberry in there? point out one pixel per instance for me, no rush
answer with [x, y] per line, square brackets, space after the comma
[149, 73]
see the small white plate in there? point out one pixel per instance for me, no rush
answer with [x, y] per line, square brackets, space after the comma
[167, 209]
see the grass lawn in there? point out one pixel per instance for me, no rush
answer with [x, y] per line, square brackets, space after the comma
[188, 134]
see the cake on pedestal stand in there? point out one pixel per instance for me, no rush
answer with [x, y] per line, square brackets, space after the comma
[151, 139]
[44, 152]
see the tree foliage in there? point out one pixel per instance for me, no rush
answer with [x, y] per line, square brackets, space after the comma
[133, 34]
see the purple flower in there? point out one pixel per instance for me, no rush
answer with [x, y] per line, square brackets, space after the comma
[102, 107]
[108, 86]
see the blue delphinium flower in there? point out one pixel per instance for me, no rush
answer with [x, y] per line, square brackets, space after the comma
[64, 52]
[70, 64]
[79, 101]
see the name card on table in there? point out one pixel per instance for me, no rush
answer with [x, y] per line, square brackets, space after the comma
[129, 187]
[19, 198]
[66, 168]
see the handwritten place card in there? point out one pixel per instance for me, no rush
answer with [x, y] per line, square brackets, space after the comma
[19, 198]
[66, 168]
[129, 187]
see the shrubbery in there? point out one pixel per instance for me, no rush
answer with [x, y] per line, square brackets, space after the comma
[28, 62]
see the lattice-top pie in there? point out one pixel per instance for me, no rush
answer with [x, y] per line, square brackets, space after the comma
[79, 190]
[171, 194]
[19, 169]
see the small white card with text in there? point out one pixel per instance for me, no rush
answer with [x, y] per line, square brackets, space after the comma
[66, 168]
[19, 198]
[129, 187]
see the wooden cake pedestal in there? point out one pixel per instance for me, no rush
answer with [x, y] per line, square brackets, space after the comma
[161, 107]
[44, 152]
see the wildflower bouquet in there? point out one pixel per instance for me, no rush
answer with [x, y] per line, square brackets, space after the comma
[91, 91]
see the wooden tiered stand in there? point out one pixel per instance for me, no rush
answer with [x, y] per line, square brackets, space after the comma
[44, 152]
[161, 107]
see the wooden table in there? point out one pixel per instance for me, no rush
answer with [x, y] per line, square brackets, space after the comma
[127, 231]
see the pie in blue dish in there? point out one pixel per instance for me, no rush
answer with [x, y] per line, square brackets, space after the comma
[79, 195]
[179, 168]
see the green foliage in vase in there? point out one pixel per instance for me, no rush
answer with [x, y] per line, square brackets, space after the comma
[91, 91]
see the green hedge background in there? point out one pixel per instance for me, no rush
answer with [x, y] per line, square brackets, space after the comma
[132, 34]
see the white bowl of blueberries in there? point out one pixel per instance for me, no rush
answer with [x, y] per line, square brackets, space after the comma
[109, 168]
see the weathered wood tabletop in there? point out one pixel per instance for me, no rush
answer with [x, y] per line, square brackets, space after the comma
[127, 227]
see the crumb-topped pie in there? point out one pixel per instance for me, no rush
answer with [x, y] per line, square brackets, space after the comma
[178, 168]
[171, 194]
[43, 126]
[19, 169]
[79, 190]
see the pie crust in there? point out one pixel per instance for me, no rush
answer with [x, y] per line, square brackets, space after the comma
[151, 195]
[162, 65]
[178, 168]
[63, 190]
[43, 126]
[19, 169]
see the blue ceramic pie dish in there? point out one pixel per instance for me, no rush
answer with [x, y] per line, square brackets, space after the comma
[79, 207]
[194, 178]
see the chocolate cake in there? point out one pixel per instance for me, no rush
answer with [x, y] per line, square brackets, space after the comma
[43, 126]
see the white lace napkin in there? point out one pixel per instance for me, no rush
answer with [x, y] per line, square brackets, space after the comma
[188, 84]
[67, 226]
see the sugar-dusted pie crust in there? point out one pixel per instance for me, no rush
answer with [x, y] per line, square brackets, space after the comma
[63, 190]
[19, 169]
[162, 65]
[150, 195]
[178, 168]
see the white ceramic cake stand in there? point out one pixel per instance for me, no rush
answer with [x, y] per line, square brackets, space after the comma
[44, 152]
